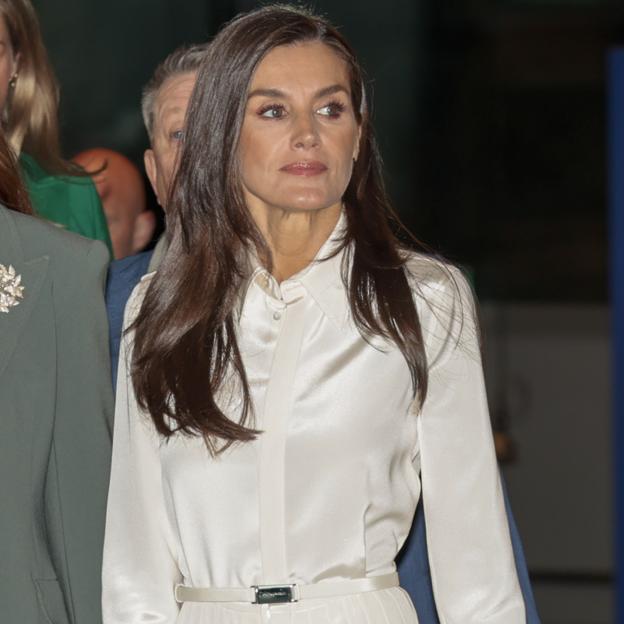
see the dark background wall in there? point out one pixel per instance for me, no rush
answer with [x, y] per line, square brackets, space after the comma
[490, 115]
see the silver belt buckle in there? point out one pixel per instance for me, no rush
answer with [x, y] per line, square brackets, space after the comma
[273, 594]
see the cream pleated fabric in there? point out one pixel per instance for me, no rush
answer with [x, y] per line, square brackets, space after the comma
[329, 490]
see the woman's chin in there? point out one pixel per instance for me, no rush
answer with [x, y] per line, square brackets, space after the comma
[309, 202]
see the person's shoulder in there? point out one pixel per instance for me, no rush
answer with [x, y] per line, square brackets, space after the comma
[432, 277]
[67, 250]
[40, 236]
[135, 301]
[37, 176]
[32, 170]
[446, 306]
[131, 267]
[144, 283]
[123, 275]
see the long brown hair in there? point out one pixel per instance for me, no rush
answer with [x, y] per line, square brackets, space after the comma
[30, 115]
[185, 344]
[13, 195]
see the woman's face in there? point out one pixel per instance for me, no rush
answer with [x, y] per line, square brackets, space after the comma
[8, 62]
[300, 135]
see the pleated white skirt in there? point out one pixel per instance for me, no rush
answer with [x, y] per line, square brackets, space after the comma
[386, 606]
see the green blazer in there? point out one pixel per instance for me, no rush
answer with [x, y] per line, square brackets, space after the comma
[55, 425]
[71, 202]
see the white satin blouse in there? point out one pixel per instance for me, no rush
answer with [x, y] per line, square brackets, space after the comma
[329, 490]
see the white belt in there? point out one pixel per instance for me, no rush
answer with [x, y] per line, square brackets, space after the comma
[272, 594]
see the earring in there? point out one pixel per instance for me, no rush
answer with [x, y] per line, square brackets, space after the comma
[13, 81]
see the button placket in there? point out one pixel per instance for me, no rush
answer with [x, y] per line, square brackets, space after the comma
[274, 299]
[277, 308]
[276, 412]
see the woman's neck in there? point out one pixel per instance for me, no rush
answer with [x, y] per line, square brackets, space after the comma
[295, 237]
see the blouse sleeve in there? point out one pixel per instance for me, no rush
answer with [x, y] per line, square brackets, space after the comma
[139, 569]
[472, 566]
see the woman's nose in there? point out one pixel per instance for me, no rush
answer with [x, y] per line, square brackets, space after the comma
[305, 133]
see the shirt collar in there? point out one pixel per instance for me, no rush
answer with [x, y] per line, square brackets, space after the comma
[322, 278]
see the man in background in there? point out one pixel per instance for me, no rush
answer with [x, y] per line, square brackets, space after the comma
[163, 105]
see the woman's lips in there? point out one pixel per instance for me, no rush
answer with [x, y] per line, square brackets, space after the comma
[305, 168]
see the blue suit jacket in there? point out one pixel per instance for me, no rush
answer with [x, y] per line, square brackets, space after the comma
[124, 275]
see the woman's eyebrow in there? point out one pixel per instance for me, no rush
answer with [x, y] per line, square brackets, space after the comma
[277, 93]
[335, 88]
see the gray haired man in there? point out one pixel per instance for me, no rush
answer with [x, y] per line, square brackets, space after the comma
[163, 104]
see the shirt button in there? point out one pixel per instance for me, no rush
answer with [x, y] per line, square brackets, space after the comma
[277, 316]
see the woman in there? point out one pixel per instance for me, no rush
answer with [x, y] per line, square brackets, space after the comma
[59, 191]
[292, 376]
[55, 414]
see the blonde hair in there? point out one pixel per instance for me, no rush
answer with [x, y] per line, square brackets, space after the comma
[30, 116]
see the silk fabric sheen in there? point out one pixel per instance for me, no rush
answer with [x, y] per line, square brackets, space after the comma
[328, 490]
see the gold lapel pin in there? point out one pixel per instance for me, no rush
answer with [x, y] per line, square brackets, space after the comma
[10, 290]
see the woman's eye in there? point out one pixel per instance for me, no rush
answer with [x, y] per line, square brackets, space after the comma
[333, 110]
[273, 111]
[176, 135]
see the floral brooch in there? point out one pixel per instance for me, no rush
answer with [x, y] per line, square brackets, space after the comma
[10, 290]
